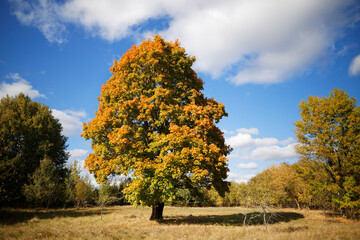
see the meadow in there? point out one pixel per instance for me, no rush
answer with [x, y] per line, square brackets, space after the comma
[127, 222]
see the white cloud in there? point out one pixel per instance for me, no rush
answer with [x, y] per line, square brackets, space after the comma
[262, 41]
[273, 153]
[112, 19]
[246, 147]
[19, 85]
[250, 165]
[287, 141]
[244, 140]
[70, 121]
[225, 131]
[354, 69]
[78, 153]
[233, 177]
[79, 114]
[42, 14]
[248, 130]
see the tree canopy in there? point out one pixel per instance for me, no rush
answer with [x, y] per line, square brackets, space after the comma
[155, 124]
[28, 132]
[329, 136]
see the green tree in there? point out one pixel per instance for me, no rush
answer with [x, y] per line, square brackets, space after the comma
[232, 198]
[106, 196]
[154, 124]
[78, 189]
[194, 197]
[28, 132]
[260, 189]
[245, 201]
[263, 196]
[286, 185]
[43, 186]
[84, 192]
[329, 135]
[213, 198]
[313, 184]
[70, 183]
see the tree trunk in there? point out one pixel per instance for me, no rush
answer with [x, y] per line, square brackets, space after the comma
[157, 212]
[48, 204]
[102, 208]
[244, 221]
[297, 204]
[264, 218]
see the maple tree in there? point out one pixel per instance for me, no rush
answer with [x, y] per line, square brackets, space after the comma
[329, 137]
[154, 124]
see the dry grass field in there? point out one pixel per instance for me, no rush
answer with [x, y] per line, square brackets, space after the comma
[127, 222]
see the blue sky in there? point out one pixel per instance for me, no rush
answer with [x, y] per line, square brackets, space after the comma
[258, 57]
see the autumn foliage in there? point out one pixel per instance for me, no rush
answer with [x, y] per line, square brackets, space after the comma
[329, 141]
[155, 125]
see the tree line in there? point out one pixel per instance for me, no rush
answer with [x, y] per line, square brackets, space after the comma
[327, 175]
[46, 189]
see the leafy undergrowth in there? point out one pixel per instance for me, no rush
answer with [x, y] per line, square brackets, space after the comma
[127, 222]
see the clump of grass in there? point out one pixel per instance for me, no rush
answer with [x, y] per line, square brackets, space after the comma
[34, 219]
[295, 228]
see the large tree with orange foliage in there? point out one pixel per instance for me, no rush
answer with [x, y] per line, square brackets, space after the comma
[155, 125]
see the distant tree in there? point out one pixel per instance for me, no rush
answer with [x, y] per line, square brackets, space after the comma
[262, 196]
[28, 132]
[245, 200]
[213, 197]
[194, 197]
[118, 186]
[44, 183]
[70, 183]
[234, 194]
[313, 184]
[286, 185]
[154, 124]
[78, 189]
[106, 196]
[84, 192]
[329, 135]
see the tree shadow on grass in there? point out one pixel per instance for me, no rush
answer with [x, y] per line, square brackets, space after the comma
[231, 220]
[14, 216]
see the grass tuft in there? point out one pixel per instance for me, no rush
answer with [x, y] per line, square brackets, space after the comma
[34, 219]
